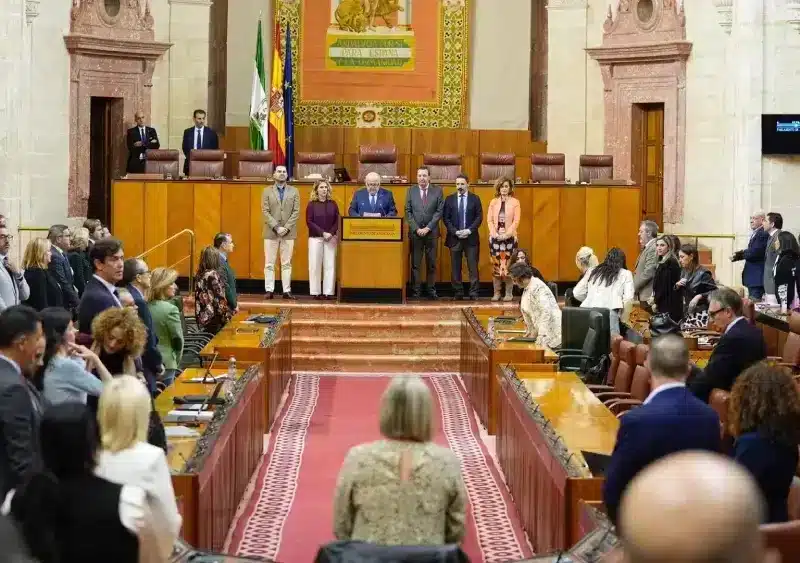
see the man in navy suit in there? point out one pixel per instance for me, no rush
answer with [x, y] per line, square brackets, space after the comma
[754, 256]
[740, 346]
[462, 216]
[101, 293]
[59, 236]
[670, 420]
[198, 137]
[136, 278]
[373, 199]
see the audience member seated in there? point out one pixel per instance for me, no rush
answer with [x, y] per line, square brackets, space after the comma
[210, 304]
[100, 294]
[764, 418]
[696, 284]
[787, 269]
[692, 507]
[503, 217]
[539, 307]
[166, 321]
[666, 299]
[127, 459]
[609, 285]
[740, 346]
[136, 278]
[403, 489]
[66, 371]
[78, 256]
[21, 345]
[585, 261]
[66, 512]
[670, 420]
[44, 289]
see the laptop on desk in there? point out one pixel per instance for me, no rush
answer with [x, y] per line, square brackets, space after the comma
[598, 463]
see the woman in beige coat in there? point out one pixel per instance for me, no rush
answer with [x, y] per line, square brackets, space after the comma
[503, 219]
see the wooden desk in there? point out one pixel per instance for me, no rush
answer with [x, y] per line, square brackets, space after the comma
[556, 221]
[373, 256]
[480, 358]
[544, 421]
[775, 328]
[210, 473]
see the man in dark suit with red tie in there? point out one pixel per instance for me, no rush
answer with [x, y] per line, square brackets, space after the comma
[198, 137]
[462, 216]
[139, 139]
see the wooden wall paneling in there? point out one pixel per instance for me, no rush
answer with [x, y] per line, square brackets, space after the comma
[207, 214]
[356, 136]
[319, 139]
[256, 234]
[127, 216]
[571, 230]
[486, 193]
[180, 215]
[455, 141]
[235, 220]
[156, 209]
[545, 243]
[522, 166]
[527, 219]
[597, 220]
[350, 162]
[516, 141]
[624, 211]
[234, 140]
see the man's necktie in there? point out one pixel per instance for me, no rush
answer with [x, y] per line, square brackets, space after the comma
[461, 222]
[280, 194]
[424, 196]
[198, 138]
[141, 134]
[372, 202]
[13, 279]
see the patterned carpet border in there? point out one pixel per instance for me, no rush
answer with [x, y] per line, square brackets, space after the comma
[264, 523]
[490, 503]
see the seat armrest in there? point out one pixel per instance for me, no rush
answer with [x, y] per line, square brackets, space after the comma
[621, 405]
[569, 351]
[616, 395]
[596, 388]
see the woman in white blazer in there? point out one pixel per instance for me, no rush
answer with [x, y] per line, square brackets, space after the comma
[608, 285]
[127, 459]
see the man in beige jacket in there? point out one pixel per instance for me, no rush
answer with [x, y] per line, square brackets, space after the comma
[280, 206]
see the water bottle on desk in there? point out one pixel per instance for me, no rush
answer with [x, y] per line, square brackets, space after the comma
[490, 328]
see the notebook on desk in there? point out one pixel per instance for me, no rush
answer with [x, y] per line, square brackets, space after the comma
[598, 463]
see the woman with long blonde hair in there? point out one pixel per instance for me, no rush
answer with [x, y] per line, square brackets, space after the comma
[322, 218]
[45, 291]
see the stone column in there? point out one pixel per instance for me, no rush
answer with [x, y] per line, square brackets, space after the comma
[566, 89]
[746, 92]
[188, 72]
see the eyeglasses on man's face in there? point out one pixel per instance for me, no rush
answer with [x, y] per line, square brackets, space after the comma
[712, 314]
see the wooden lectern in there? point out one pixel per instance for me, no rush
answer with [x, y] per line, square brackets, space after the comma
[372, 266]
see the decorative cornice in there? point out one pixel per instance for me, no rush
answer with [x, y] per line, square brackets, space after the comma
[31, 10]
[567, 4]
[793, 13]
[631, 54]
[118, 48]
[725, 14]
[193, 2]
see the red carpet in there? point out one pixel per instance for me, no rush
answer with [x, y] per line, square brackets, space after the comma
[290, 512]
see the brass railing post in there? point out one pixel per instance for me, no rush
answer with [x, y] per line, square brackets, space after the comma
[192, 247]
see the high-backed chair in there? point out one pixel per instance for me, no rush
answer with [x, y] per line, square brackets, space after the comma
[255, 164]
[624, 375]
[163, 161]
[575, 323]
[308, 163]
[496, 164]
[377, 158]
[593, 167]
[205, 163]
[620, 402]
[442, 166]
[616, 341]
[589, 355]
[719, 401]
[790, 355]
[548, 167]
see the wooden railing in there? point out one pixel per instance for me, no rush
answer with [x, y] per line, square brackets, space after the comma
[189, 256]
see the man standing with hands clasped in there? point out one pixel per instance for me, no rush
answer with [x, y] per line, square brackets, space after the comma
[280, 206]
[424, 206]
[463, 215]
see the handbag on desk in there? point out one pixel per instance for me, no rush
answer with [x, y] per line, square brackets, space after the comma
[662, 324]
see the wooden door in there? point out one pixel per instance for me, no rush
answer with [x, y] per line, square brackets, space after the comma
[106, 157]
[647, 158]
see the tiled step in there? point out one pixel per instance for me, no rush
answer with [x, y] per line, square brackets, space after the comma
[372, 363]
[335, 329]
[394, 345]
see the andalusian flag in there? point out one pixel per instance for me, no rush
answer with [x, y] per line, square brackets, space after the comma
[259, 105]
[277, 121]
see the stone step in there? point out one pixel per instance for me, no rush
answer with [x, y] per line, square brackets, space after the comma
[375, 363]
[335, 329]
[440, 310]
[395, 345]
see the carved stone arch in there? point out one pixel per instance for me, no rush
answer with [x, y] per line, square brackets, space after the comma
[112, 55]
[643, 60]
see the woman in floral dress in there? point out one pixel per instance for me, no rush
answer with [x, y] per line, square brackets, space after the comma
[210, 305]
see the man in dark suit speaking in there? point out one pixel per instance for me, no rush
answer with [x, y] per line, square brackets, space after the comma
[198, 137]
[139, 139]
[740, 346]
[372, 201]
[424, 207]
[754, 256]
[462, 216]
[670, 420]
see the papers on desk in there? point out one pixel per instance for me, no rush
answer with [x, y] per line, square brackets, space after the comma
[189, 416]
[180, 432]
[209, 380]
[371, 215]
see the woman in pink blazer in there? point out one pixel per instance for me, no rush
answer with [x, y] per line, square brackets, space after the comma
[503, 220]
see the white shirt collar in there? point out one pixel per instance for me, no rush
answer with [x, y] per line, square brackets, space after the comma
[733, 322]
[58, 249]
[665, 387]
[110, 287]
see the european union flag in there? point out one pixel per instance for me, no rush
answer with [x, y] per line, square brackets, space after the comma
[288, 102]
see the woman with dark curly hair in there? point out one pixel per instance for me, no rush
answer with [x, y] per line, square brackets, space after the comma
[119, 339]
[765, 420]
